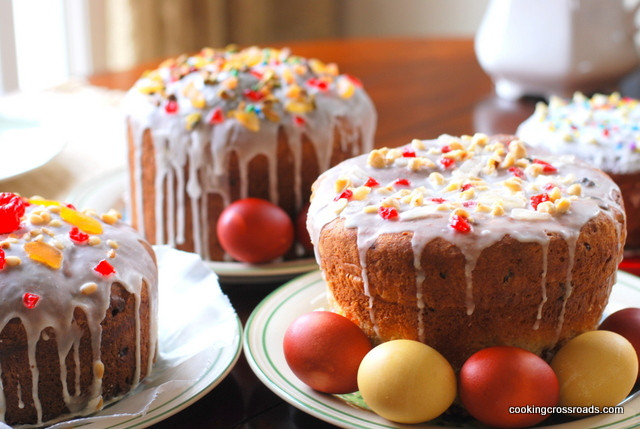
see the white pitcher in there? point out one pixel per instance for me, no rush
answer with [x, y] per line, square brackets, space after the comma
[544, 47]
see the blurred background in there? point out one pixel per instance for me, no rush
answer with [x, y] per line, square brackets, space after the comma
[44, 43]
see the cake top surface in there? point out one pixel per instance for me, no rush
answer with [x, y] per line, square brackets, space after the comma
[250, 85]
[470, 190]
[54, 258]
[603, 130]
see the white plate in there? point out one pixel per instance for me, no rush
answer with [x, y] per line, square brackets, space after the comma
[265, 329]
[108, 191]
[199, 343]
[26, 145]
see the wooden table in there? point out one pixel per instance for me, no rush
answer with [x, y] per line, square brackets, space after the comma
[421, 88]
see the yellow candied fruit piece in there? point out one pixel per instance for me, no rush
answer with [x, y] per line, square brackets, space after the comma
[198, 101]
[562, 205]
[370, 209]
[41, 202]
[293, 91]
[299, 107]
[361, 192]
[192, 120]
[342, 183]
[287, 76]
[417, 144]
[248, 119]
[84, 223]
[151, 88]
[555, 193]
[346, 89]
[44, 253]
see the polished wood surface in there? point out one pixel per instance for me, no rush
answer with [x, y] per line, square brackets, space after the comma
[421, 88]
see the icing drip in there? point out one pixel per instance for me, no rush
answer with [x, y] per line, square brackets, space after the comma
[543, 283]
[52, 234]
[471, 191]
[205, 109]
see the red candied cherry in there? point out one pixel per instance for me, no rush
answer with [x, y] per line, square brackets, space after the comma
[253, 95]
[460, 224]
[546, 167]
[537, 199]
[388, 213]
[2, 260]
[371, 182]
[104, 268]
[299, 120]
[402, 182]
[517, 171]
[172, 105]
[446, 149]
[354, 80]
[217, 116]
[347, 193]
[437, 200]
[11, 210]
[78, 236]
[447, 162]
[30, 300]
[407, 152]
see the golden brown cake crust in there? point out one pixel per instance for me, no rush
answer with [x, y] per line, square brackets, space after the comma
[506, 287]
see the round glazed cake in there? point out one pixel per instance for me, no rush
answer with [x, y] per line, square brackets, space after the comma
[221, 125]
[603, 130]
[468, 242]
[78, 299]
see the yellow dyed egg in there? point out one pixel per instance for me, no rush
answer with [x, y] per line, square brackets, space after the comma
[595, 368]
[406, 381]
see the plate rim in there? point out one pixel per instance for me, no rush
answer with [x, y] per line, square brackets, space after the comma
[55, 142]
[309, 280]
[191, 398]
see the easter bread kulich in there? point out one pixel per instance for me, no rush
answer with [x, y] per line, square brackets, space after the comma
[468, 242]
[603, 130]
[78, 310]
[207, 129]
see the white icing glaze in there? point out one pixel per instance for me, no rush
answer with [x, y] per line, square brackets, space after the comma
[293, 102]
[602, 130]
[499, 204]
[60, 291]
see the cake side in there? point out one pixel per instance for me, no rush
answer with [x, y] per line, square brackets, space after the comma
[79, 313]
[515, 301]
[218, 126]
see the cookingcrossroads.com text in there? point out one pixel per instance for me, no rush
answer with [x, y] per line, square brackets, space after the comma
[530, 409]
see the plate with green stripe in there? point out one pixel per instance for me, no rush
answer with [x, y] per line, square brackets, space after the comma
[264, 332]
